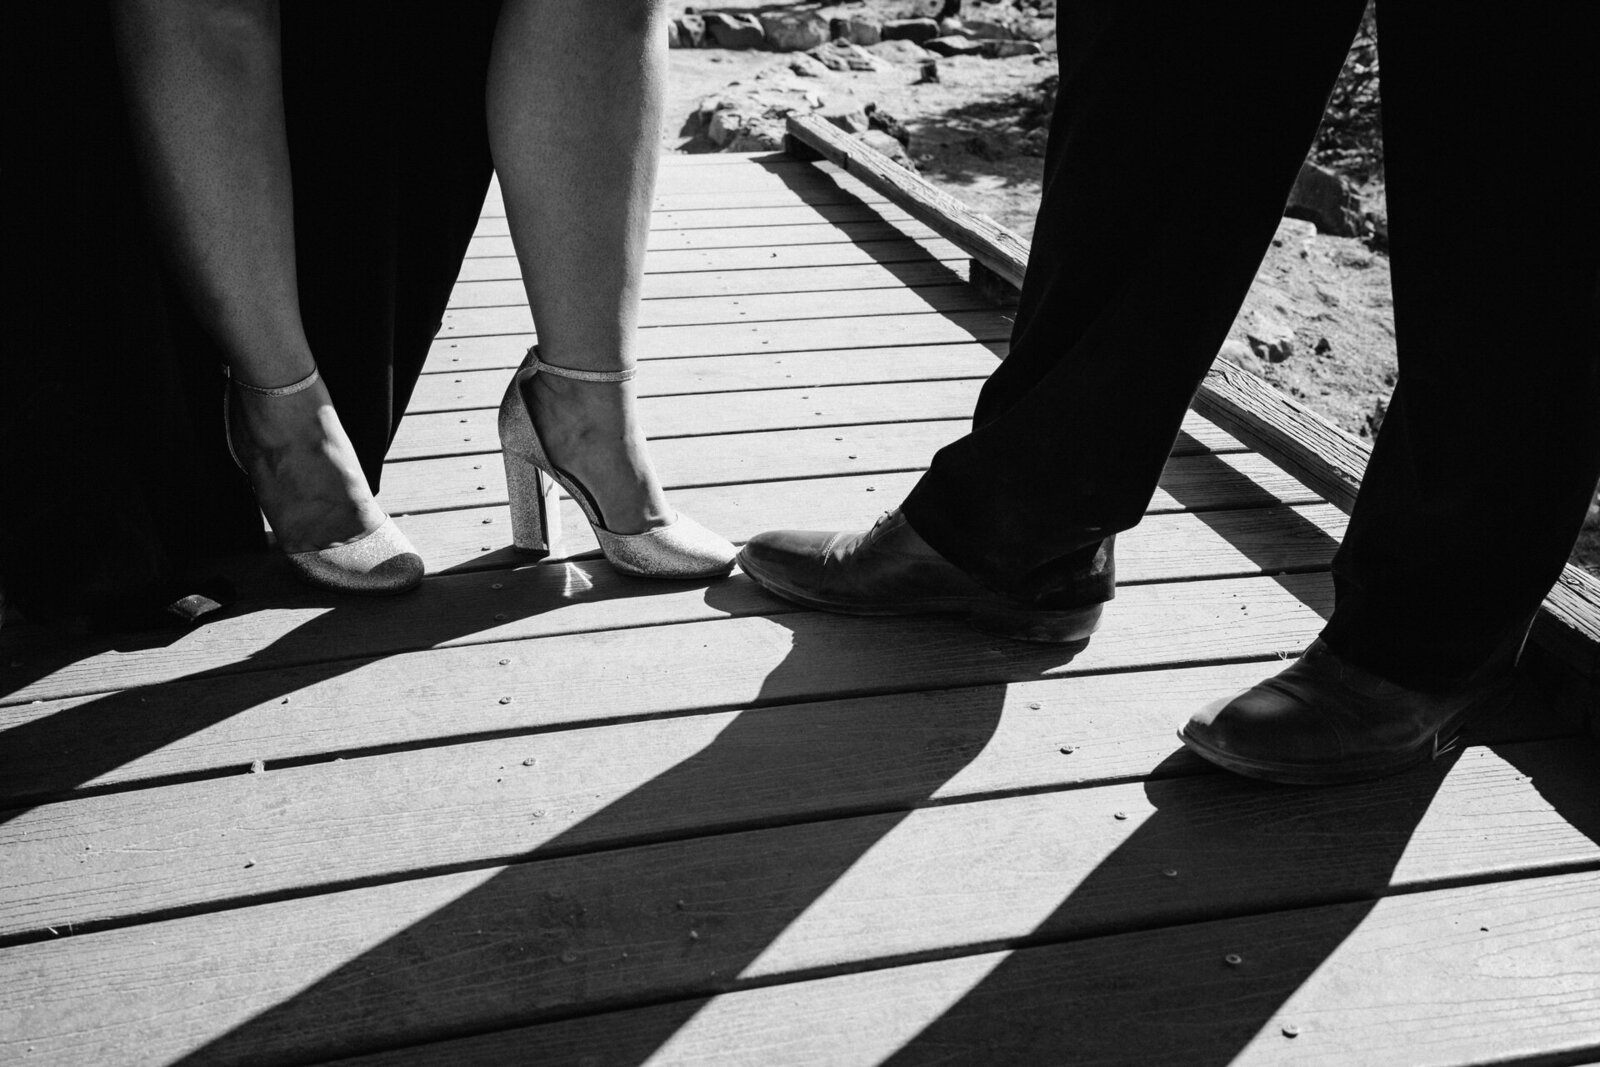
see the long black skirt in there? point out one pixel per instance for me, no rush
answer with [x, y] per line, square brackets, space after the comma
[114, 475]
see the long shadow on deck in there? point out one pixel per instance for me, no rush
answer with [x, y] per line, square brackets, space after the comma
[582, 933]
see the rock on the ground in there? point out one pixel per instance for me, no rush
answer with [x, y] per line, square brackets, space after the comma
[906, 52]
[1292, 230]
[807, 66]
[841, 55]
[726, 30]
[851, 118]
[890, 147]
[916, 31]
[953, 46]
[687, 31]
[985, 28]
[1238, 353]
[995, 48]
[1269, 338]
[857, 29]
[1324, 198]
[794, 32]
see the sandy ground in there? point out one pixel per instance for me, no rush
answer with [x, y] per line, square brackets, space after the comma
[966, 138]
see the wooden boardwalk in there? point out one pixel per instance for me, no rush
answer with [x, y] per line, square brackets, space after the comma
[542, 814]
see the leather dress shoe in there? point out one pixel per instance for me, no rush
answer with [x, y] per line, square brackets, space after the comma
[1323, 720]
[891, 570]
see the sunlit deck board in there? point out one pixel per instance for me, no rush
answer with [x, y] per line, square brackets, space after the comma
[538, 813]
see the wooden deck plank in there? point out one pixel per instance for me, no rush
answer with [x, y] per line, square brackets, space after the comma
[719, 913]
[746, 237]
[793, 213]
[205, 844]
[761, 307]
[1441, 979]
[474, 430]
[717, 374]
[1196, 481]
[550, 659]
[917, 273]
[1172, 546]
[737, 338]
[757, 257]
[471, 430]
[304, 628]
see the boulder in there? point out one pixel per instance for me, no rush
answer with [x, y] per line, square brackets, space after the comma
[1238, 353]
[914, 30]
[1291, 231]
[900, 52]
[794, 32]
[807, 66]
[725, 126]
[1269, 338]
[1322, 197]
[983, 28]
[691, 31]
[951, 27]
[851, 118]
[841, 55]
[890, 147]
[1034, 29]
[880, 119]
[954, 46]
[996, 48]
[734, 31]
[857, 29]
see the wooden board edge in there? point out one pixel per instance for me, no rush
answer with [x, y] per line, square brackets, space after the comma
[995, 247]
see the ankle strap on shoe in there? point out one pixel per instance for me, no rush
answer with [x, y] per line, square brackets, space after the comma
[579, 375]
[283, 390]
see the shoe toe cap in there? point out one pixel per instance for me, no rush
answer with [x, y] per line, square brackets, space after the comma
[786, 557]
[1264, 724]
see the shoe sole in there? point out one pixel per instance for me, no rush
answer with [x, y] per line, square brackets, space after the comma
[1382, 765]
[1017, 624]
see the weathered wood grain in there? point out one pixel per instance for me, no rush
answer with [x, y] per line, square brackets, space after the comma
[1233, 480]
[406, 962]
[473, 429]
[991, 244]
[1439, 979]
[1211, 543]
[918, 273]
[451, 389]
[718, 237]
[566, 662]
[448, 433]
[861, 334]
[303, 627]
[793, 213]
[756, 257]
[760, 307]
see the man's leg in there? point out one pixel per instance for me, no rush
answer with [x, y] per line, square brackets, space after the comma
[1482, 472]
[1484, 466]
[1168, 167]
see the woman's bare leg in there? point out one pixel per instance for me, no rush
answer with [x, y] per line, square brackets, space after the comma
[204, 83]
[574, 123]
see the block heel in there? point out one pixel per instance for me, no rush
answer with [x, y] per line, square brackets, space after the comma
[680, 549]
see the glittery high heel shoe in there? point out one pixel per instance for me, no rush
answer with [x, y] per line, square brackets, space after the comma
[377, 563]
[680, 549]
